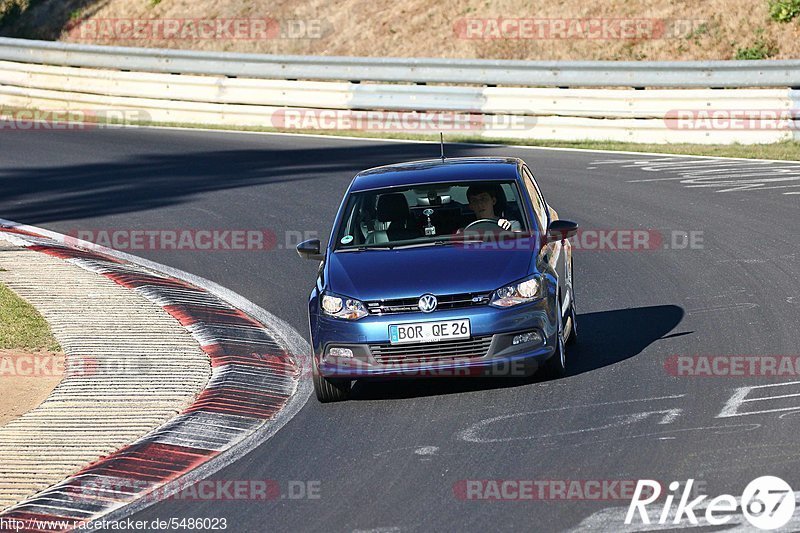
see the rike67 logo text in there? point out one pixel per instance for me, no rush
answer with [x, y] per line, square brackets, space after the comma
[767, 503]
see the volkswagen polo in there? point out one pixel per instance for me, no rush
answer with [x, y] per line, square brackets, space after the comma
[446, 267]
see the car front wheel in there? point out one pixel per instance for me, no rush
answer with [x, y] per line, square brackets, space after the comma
[556, 366]
[573, 323]
[330, 390]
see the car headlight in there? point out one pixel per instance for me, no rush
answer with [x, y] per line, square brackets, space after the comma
[347, 308]
[517, 293]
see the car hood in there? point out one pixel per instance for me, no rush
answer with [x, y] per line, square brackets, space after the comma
[411, 272]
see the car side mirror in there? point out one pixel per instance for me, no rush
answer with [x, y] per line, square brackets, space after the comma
[560, 230]
[310, 249]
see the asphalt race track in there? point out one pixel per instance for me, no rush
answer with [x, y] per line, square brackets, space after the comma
[396, 457]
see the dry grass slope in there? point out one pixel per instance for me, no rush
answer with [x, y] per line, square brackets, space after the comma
[685, 29]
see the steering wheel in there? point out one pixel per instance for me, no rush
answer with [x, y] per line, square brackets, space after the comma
[483, 223]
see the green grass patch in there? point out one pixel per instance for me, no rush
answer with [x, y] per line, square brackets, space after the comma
[21, 326]
[784, 10]
[762, 48]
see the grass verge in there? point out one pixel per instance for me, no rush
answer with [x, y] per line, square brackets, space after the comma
[784, 151]
[21, 326]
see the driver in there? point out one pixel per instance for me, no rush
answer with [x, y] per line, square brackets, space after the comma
[482, 199]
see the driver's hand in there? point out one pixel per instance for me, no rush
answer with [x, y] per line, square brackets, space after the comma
[505, 224]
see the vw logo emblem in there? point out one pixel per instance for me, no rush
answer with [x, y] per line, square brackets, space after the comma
[427, 304]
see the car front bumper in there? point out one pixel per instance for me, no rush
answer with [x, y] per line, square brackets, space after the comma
[369, 337]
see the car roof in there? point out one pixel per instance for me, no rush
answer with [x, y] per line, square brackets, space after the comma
[437, 171]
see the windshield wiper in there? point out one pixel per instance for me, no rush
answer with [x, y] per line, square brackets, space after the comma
[443, 242]
[439, 242]
[364, 248]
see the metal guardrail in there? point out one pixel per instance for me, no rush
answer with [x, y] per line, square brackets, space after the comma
[481, 99]
[679, 74]
[541, 101]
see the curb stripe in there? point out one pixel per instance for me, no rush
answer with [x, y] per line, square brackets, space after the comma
[253, 378]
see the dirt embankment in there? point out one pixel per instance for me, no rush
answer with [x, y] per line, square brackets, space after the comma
[503, 29]
[31, 362]
[26, 379]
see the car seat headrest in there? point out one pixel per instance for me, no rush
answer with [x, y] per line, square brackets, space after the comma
[392, 207]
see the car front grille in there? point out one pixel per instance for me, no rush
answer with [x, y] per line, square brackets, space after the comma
[388, 354]
[409, 305]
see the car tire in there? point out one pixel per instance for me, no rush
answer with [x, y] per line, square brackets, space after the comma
[330, 390]
[573, 310]
[556, 366]
[573, 318]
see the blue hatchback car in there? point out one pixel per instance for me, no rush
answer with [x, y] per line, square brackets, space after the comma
[447, 267]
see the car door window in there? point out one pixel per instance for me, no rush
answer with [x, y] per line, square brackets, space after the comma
[537, 201]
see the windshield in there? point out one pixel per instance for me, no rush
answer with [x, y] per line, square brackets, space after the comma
[431, 213]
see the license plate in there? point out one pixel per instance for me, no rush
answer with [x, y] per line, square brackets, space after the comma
[429, 331]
